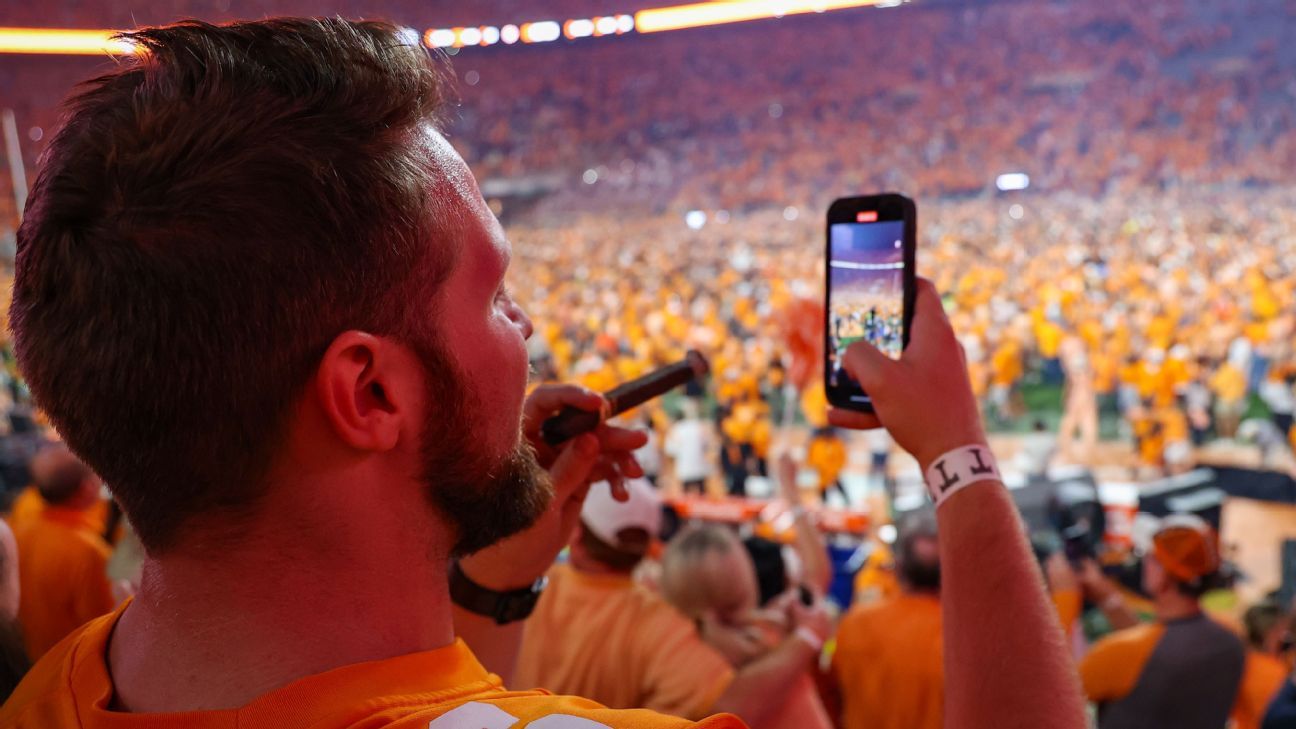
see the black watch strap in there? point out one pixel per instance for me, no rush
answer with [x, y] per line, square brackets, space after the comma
[502, 607]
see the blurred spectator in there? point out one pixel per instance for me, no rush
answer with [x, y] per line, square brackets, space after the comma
[650, 455]
[62, 555]
[599, 635]
[1182, 671]
[1279, 394]
[888, 666]
[1268, 637]
[689, 443]
[709, 576]
[826, 454]
[1037, 450]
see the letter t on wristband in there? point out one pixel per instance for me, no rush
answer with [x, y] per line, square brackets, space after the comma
[957, 469]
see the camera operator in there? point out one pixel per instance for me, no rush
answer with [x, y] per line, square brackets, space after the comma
[1184, 670]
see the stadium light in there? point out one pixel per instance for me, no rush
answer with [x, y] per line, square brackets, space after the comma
[678, 17]
[605, 26]
[74, 42]
[650, 20]
[1010, 181]
[541, 32]
[439, 38]
[578, 28]
[470, 36]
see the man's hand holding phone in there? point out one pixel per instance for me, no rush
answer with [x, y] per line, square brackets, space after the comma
[924, 399]
[1006, 659]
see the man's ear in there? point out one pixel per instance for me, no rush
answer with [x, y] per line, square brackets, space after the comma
[367, 387]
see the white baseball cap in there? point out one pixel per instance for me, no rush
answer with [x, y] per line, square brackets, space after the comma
[605, 517]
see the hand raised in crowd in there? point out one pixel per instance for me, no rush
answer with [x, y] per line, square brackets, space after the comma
[740, 643]
[1096, 585]
[813, 617]
[787, 478]
[606, 454]
[1061, 576]
[924, 399]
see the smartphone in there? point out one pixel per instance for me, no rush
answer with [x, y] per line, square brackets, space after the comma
[870, 286]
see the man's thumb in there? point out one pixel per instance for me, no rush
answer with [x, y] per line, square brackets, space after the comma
[867, 364]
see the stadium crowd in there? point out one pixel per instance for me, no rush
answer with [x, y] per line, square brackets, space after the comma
[1159, 139]
[1150, 273]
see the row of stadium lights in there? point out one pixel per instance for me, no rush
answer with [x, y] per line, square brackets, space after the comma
[648, 20]
[542, 31]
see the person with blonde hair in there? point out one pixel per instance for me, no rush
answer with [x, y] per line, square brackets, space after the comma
[708, 574]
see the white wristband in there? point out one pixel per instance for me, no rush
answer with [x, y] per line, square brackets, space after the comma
[811, 638]
[958, 469]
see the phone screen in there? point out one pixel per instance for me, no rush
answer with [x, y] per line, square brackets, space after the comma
[866, 294]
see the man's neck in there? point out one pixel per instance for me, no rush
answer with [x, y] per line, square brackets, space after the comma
[203, 636]
[1172, 606]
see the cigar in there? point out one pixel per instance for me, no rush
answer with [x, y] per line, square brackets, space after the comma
[571, 422]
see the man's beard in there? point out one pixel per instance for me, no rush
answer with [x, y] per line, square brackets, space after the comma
[485, 498]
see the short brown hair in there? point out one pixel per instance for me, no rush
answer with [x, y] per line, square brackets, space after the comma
[211, 215]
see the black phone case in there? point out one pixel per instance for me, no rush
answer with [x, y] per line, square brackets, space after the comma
[843, 210]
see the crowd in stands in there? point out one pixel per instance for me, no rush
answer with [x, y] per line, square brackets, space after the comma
[1157, 231]
[1171, 310]
[712, 619]
[1150, 274]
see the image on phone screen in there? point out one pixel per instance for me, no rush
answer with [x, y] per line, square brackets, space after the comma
[866, 291]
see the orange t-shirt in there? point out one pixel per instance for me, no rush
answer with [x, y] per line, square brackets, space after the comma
[27, 505]
[1111, 669]
[1069, 604]
[62, 573]
[1261, 680]
[888, 665]
[444, 688]
[605, 637]
[827, 456]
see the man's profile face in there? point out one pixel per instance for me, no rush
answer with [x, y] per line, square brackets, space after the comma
[482, 476]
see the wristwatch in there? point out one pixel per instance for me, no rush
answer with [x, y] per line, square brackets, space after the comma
[502, 607]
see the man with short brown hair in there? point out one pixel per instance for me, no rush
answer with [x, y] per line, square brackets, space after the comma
[260, 294]
[888, 663]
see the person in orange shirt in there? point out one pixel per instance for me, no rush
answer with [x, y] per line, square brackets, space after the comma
[1268, 637]
[600, 635]
[1230, 387]
[889, 666]
[26, 506]
[826, 454]
[62, 557]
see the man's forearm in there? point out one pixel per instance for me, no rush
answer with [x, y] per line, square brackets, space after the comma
[761, 686]
[1006, 662]
[813, 549]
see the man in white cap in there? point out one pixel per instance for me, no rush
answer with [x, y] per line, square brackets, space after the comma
[599, 634]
